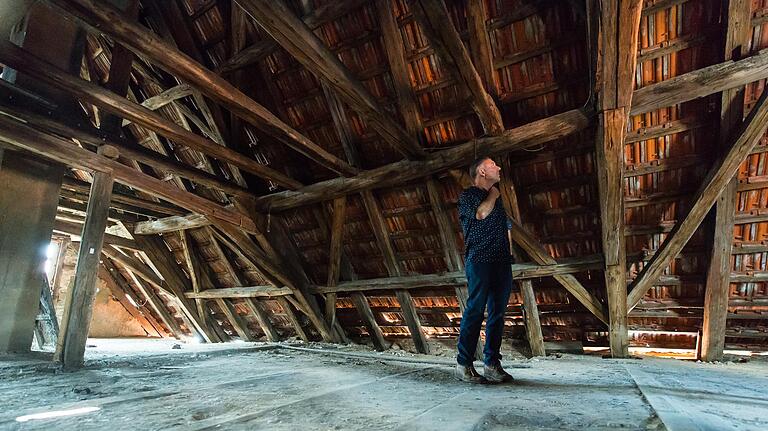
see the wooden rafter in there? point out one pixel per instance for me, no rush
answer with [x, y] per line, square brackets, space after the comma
[22, 136]
[21, 60]
[105, 19]
[298, 40]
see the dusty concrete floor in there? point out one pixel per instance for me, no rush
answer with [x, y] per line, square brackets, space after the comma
[147, 385]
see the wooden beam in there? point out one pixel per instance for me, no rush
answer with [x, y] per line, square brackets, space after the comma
[273, 272]
[412, 320]
[171, 224]
[103, 18]
[175, 280]
[700, 83]
[22, 136]
[746, 136]
[78, 307]
[298, 40]
[314, 19]
[21, 60]
[82, 187]
[237, 321]
[124, 284]
[530, 307]
[291, 315]
[480, 45]
[618, 33]
[737, 39]
[334, 264]
[535, 133]
[87, 134]
[374, 330]
[77, 229]
[263, 319]
[542, 257]
[434, 17]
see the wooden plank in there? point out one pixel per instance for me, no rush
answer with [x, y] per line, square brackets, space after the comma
[20, 135]
[78, 307]
[412, 320]
[106, 19]
[334, 265]
[433, 16]
[531, 134]
[741, 143]
[480, 45]
[83, 188]
[298, 40]
[76, 229]
[700, 83]
[737, 39]
[374, 330]
[171, 224]
[453, 258]
[263, 318]
[291, 315]
[19, 59]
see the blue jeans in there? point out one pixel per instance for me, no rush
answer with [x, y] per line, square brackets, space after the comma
[489, 284]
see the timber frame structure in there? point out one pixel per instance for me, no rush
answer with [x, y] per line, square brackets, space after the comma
[291, 168]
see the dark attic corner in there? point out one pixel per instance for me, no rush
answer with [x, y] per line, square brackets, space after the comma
[383, 214]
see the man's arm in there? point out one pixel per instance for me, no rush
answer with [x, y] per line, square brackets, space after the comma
[487, 205]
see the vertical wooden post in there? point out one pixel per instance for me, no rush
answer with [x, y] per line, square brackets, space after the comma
[334, 264]
[412, 320]
[618, 36]
[737, 37]
[79, 303]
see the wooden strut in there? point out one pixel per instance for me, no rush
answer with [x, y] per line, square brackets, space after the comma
[746, 136]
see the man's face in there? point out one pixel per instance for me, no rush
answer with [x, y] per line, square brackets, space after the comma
[490, 171]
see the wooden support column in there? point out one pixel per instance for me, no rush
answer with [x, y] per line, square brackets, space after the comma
[736, 45]
[619, 24]
[741, 142]
[374, 330]
[78, 307]
[334, 265]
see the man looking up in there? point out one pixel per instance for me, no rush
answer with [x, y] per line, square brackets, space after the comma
[489, 275]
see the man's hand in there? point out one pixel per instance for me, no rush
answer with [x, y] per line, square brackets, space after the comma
[486, 206]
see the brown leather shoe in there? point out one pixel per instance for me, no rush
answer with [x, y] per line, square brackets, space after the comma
[467, 373]
[496, 374]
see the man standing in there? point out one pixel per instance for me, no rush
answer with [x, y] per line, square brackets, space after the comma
[489, 275]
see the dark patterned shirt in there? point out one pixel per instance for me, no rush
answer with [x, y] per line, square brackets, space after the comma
[484, 240]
